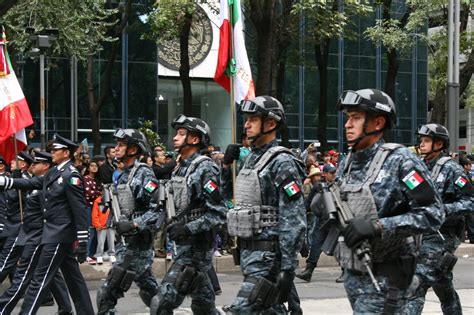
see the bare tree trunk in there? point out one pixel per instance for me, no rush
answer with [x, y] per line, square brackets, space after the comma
[263, 18]
[184, 66]
[95, 106]
[321, 52]
[392, 70]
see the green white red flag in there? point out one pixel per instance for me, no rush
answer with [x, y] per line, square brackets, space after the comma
[14, 112]
[229, 64]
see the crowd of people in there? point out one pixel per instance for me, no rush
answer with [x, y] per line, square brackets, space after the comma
[367, 208]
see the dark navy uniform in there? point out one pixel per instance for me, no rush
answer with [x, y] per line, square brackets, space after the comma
[11, 251]
[65, 221]
[28, 241]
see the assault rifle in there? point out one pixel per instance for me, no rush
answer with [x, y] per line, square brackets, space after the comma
[336, 215]
[110, 201]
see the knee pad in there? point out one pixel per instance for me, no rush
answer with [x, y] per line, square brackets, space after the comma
[158, 307]
[146, 296]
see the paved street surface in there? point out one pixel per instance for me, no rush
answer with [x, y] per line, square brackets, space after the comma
[321, 296]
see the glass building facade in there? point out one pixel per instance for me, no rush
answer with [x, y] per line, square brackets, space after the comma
[149, 95]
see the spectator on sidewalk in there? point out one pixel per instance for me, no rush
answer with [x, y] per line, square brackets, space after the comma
[92, 189]
[106, 170]
[102, 224]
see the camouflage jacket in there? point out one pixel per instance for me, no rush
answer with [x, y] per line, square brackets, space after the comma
[407, 202]
[277, 174]
[455, 190]
[143, 186]
[200, 197]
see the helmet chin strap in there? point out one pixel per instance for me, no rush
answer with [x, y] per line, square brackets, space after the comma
[185, 144]
[425, 155]
[261, 133]
[356, 141]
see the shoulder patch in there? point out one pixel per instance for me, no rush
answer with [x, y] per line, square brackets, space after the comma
[210, 186]
[461, 182]
[151, 186]
[291, 189]
[413, 179]
[75, 181]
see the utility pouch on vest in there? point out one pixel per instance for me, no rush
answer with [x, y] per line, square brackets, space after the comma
[241, 221]
[348, 259]
[446, 262]
[127, 280]
[184, 279]
[263, 293]
[236, 256]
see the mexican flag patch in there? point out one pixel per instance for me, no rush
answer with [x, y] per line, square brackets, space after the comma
[75, 181]
[210, 186]
[413, 179]
[291, 189]
[150, 186]
[461, 181]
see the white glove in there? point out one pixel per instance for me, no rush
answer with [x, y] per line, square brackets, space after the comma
[5, 182]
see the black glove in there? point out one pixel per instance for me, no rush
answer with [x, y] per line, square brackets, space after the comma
[284, 284]
[123, 227]
[81, 252]
[176, 231]
[358, 230]
[232, 153]
[304, 249]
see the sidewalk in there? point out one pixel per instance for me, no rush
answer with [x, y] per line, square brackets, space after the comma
[225, 264]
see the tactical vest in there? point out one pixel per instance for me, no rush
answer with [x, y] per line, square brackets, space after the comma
[125, 197]
[249, 216]
[438, 167]
[178, 187]
[361, 203]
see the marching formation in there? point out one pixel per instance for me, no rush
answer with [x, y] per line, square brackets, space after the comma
[391, 218]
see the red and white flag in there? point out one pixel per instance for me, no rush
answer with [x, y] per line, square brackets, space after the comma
[227, 63]
[14, 112]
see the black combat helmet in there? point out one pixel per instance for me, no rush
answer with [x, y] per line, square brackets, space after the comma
[266, 106]
[369, 100]
[132, 136]
[436, 132]
[194, 124]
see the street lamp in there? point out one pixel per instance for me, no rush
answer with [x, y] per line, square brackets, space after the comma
[42, 41]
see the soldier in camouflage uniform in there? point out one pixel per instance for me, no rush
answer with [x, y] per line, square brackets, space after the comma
[135, 193]
[269, 216]
[391, 197]
[199, 210]
[437, 258]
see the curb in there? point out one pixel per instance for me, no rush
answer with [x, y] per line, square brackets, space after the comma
[225, 264]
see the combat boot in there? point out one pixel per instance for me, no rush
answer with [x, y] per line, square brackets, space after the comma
[307, 273]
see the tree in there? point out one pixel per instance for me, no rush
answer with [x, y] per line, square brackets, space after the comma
[82, 30]
[438, 44]
[324, 23]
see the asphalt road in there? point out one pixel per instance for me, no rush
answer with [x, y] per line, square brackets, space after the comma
[322, 290]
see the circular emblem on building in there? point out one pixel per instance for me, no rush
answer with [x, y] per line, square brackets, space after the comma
[200, 41]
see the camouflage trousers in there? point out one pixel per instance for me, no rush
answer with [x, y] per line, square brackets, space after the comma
[201, 292]
[256, 264]
[428, 275]
[140, 263]
[363, 296]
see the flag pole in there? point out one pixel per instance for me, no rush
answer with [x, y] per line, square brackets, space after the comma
[232, 92]
[20, 199]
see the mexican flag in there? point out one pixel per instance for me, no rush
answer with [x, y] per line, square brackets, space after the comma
[228, 64]
[14, 112]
